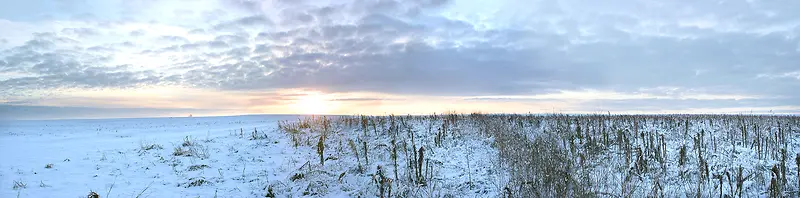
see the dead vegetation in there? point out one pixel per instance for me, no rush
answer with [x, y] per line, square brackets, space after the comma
[566, 155]
[196, 181]
[146, 146]
[191, 148]
[93, 194]
[18, 185]
[197, 167]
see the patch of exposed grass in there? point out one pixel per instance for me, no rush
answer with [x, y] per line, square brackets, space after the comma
[191, 148]
[197, 181]
[19, 185]
[145, 146]
[180, 151]
[197, 167]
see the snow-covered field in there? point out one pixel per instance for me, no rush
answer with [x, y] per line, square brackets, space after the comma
[129, 157]
[106, 156]
[406, 156]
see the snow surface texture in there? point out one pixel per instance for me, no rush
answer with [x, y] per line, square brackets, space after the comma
[419, 156]
[122, 157]
[219, 157]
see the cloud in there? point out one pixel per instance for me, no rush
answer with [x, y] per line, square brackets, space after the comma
[173, 39]
[137, 33]
[81, 32]
[365, 99]
[24, 112]
[657, 105]
[49, 64]
[423, 47]
[258, 20]
[793, 74]
[233, 39]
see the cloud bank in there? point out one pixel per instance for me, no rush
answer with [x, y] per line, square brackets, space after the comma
[718, 52]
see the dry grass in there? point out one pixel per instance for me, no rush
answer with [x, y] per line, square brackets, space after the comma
[559, 155]
[18, 185]
[191, 148]
[146, 146]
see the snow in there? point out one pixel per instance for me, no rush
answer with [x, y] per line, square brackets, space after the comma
[246, 156]
[98, 154]
[110, 157]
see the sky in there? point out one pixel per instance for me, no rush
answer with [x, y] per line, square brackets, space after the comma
[142, 58]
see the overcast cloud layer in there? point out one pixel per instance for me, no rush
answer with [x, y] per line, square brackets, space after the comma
[689, 54]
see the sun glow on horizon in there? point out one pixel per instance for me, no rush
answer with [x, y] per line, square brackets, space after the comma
[313, 103]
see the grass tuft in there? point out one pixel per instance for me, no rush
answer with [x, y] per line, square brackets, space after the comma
[19, 185]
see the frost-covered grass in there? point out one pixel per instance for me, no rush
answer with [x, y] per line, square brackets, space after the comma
[448, 155]
[637, 156]
[554, 155]
[395, 156]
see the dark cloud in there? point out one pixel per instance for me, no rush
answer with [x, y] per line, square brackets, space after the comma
[19, 102]
[25, 112]
[98, 78]
[409, 47]
[726, 62]
[654, 105]
[54, 68]
[414, 68]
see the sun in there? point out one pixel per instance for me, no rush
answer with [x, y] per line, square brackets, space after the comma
[312, 103]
